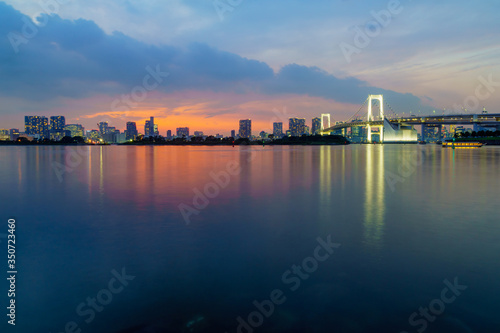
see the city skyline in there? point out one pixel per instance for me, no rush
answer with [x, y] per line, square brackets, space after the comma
[431, 128]
[40, 125]
[274, 78]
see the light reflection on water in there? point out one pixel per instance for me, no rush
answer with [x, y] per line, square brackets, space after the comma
[118, 208]
[374, 205]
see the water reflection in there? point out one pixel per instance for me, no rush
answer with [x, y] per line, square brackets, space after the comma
[325, 175]
[374, 206]
[260, 224]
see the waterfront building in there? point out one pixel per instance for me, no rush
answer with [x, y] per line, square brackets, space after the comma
[296, 126]
[75, 130]
[149, 127]
[316, 126]
[94, 136]
[278, 130]
[103, 128]
[4, 135]
[182, 132]
[14, 134]
[131, 131]
[245, 128]
[38, 126]
[57, 123]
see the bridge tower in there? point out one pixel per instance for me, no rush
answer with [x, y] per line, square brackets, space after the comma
[370, 117]
[323, 115]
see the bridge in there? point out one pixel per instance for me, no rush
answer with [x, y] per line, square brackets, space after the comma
[402, 129]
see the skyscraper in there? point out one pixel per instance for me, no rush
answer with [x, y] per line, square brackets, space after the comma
[169, 134]
[297, 126]
[233, 134]
[94, 135]
[316, 126]
[278, 130]
[57, 131]
[103, 128]
[245, 128]
[131, 130]
[57, 123]
[183, 132]
[149, 127]
[37, 125]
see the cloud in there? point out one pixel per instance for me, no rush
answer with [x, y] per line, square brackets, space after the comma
[77, 59]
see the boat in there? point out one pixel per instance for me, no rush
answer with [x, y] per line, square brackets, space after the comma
[467, 144]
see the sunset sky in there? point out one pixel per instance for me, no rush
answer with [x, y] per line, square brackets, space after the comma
[206, 64]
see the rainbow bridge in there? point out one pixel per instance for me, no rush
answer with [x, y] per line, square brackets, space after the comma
[402, 129]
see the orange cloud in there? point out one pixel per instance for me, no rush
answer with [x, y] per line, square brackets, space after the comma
[211, 112]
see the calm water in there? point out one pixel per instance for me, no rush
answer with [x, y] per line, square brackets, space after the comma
[406, 217]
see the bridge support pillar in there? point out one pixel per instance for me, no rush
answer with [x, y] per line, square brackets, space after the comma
[369, 133]
[440, 135]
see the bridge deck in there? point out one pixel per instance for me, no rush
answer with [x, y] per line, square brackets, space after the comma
[492, 119]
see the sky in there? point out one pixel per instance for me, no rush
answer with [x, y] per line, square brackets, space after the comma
[205, 64]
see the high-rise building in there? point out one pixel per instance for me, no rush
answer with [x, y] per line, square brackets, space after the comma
[169, 134]
[316, 126]
[57, 123]
[233, 134]
[37, 125]
[183, 132]
[245, 128]
[131, 132]
[57, 131]
[75, 130]
[155, 130]
[103, 128]
[198, 133]
[278, 130]
[297, 126]
[149, 127]
[94, 136]
[111, 135]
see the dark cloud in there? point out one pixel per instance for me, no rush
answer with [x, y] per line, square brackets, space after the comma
[76, 59]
